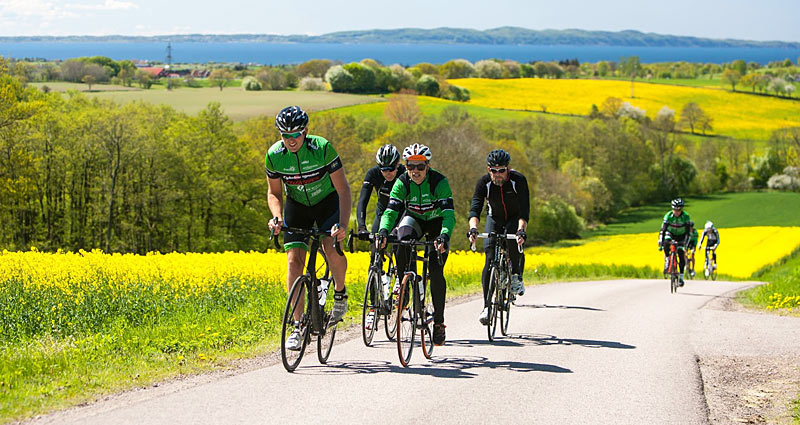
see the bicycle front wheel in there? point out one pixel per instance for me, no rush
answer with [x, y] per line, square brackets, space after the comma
[406, 320]
[372, 304]
[390, 318]
[291, 356]
[505, 309]
[713, 271]
[493, 302]
[425, 334]
[326, 337]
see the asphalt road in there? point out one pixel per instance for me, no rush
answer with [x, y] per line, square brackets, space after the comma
[611, 352]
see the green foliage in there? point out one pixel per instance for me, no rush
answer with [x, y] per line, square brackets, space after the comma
[363, 78]
[428, 86]
[340, 79]
[251, 84]
[458, 68]
[554, 220]
[765, 166]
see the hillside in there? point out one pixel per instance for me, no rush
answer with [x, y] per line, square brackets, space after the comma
[502, 35]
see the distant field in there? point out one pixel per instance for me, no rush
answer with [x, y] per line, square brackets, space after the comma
[60, 86]
[738, 115]
[237, 103]
[725, 210]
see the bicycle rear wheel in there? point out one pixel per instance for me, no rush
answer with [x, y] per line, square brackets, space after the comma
[294, 302]
[713, 270]
[425, 335]
[326, 337]
[493, 302]
[372, 303]
[406, 320]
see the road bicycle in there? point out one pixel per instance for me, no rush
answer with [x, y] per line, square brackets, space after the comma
[498, 294]
[313, 296]
[689, 264]
[379, 299]
[415, 306]
[710, 266]
[673, 268]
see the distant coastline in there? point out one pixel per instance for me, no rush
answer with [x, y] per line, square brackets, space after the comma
[496, 36]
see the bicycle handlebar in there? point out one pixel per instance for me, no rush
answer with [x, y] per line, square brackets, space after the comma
[306, 232]
[493, 235]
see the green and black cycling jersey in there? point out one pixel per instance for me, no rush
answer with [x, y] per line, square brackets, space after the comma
[676, 228]
[427, 201]
[306, 173]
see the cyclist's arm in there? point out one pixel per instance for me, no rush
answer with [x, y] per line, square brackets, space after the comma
[524, 202]
[396, 204]
[363, 201]
[702, 238]
[478, 199]
[661, 232]
[445, 200]
[345, 198]
[275, 197]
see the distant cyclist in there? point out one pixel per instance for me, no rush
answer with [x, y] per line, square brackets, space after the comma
[692, 246]
[425, 195]
[381, 178]
[317, 193]
[506, 191]
[676, 229]
[712, 242]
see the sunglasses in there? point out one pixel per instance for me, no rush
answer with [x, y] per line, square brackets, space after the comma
[292, 135]
[389, 168]
[420, 167]
[498, 170]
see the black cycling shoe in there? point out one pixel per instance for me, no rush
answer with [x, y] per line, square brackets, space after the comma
[438, 334]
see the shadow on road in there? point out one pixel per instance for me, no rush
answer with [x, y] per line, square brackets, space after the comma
[518, 340]
[439, 367]
[565, 307]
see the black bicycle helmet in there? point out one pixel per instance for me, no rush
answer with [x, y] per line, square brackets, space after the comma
[498, 157]
[677, 203]
[387, 156]
[291, 119]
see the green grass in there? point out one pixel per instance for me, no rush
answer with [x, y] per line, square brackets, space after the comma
[783, 278]
[60, 86]
[725, 210]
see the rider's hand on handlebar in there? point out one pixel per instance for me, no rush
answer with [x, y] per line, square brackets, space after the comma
[362, 231]
[521, 237]
[338, 232]
[472, 234]
[380, 241]
[275, 225]
[440, 243]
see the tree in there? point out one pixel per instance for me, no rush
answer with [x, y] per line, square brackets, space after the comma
[314, 68]
[739, 66]
[220, 78]
[428, 86]
[89, 80]
[611, 106]
[363, 77]
[488, 69]
[749, 80]
[731, 76]
[602, 68]
[340, 79]
[402, 108]
[457, 68]
[250, 83]
[630, 67]
[693, 116]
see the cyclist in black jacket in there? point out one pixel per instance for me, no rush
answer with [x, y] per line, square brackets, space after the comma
[380, 177]
[509, 208]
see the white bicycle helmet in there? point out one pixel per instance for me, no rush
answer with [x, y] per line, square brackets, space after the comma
[709, 225]
[417, 152]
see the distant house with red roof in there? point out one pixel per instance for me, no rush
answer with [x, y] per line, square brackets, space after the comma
[156, 72]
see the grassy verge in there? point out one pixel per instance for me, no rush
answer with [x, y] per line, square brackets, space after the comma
[782, 292]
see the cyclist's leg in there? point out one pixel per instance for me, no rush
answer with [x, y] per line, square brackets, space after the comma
[295, 215]
[326, 214]
[512, 247]
[438, 284]
[488, 248]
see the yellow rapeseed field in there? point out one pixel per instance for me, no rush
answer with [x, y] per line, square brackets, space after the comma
[742, 252]
[735, 114]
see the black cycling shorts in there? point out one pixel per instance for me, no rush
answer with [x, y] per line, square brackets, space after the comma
[324, 214]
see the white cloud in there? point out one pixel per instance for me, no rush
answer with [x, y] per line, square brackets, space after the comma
[107, 5]
[33, 9]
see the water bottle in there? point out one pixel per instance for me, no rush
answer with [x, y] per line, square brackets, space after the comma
[324, 284]
[386, 286]
[421, 289]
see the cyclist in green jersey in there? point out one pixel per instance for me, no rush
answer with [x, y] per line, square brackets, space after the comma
[425, 195]
[308, 168]
[676, 228]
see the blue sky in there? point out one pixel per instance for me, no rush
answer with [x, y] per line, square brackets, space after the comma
[741, 19]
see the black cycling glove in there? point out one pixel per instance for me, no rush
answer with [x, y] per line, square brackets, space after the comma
[443, 240]
[472, 232]
[522, 235]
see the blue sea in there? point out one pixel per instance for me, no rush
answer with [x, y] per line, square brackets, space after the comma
[405, 54]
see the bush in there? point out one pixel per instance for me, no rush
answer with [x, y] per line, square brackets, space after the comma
[363, 77]
[251, 84]
[554, 219]
[428, 86]
[489, 69]
[312, 84]
[339, 78]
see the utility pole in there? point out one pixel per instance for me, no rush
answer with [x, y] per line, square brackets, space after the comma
[169, 65]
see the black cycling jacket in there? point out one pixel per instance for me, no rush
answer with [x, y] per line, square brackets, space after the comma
[374, 179]
[509, 202]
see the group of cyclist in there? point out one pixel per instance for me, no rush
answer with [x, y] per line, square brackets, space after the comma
[414, 201]
[678, 229]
